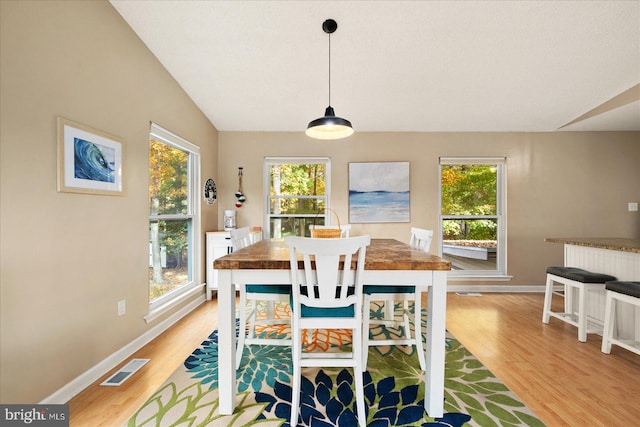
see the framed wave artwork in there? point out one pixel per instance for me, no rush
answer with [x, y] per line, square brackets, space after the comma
[379, 192]
[89, 160]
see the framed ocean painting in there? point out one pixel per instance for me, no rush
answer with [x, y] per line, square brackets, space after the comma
[89, 160]
[379, 192]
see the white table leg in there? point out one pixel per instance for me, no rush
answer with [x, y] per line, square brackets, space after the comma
[436, 326]
[226, 343]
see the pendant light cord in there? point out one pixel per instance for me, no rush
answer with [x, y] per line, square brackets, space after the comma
[329, 69]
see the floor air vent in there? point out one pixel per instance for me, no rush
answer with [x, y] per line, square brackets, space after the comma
[469, 294]
[125, 372]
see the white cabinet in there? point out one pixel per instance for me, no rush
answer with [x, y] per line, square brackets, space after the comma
[218, 245]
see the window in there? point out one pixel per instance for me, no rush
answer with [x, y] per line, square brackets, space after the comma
[472, 216]
[296, 194]
[174, 216]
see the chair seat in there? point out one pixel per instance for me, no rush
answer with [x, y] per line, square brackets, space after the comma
[308, 311]
[269, 289]
[626, 288]
[374, 289]
[327, 312]
[579, 275]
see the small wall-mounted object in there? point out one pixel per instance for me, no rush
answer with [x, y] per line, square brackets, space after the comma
[210, 192]
[239, 194]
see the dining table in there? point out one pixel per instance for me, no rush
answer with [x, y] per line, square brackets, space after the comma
[387, 262]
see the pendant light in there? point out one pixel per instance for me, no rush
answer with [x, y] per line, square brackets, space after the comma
[329, 126]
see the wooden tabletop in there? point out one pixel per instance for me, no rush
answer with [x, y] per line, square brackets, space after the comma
[382, 254]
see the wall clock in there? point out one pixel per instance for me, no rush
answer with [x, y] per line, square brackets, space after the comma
[210, 192]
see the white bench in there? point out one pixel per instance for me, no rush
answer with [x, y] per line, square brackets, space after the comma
[574, 280]
[619, 292]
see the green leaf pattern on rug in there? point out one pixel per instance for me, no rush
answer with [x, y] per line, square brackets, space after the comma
[198, 407]
[472, 389]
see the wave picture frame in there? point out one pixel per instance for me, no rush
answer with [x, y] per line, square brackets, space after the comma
[89, 160]
[379, 192]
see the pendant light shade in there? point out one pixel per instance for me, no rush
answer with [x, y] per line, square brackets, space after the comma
[329, 126]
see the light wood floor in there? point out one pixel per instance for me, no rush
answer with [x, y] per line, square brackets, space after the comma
[565, 382]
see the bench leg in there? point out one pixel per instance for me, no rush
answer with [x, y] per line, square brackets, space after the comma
[609, 320]
[569, 305]
[547, 300]
[582, 314]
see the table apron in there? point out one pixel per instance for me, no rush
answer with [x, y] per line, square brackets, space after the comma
[422, 278]
[263, 277]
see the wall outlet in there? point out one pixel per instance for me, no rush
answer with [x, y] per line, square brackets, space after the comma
[122, 307]
[633, 207]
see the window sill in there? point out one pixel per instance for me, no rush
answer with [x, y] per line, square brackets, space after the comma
[159, 310]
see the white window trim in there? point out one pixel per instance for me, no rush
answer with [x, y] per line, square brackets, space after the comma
[172, 299]
[500, 274]
[268, 161]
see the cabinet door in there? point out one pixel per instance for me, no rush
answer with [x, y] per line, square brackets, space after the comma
[221, 247]
[218, 245]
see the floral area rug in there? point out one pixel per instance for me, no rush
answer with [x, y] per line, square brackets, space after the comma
[394, 388]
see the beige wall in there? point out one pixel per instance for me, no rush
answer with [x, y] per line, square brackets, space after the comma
[573, 184]
[66, 259]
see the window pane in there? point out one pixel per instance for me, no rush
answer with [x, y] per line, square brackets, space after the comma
[298, 180]
[168, 256]
[470, 244]
[168, 179]
[296, 206]
[469, 189]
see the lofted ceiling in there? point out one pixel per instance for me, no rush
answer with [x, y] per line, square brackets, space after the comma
[423, 66]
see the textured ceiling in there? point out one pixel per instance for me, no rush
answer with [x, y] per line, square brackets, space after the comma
[400, 65]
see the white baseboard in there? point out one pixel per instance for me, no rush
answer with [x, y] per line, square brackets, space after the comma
[496, 288]
[83, 381]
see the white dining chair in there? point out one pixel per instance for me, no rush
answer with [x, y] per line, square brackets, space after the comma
[421, 240]
[253, 293]
[345, 229]
[327, 294]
